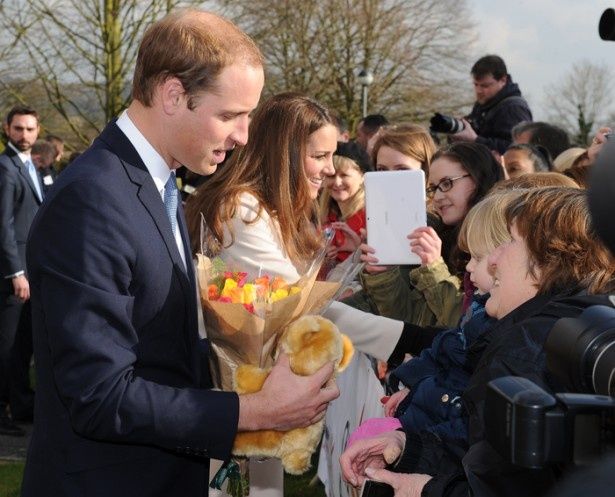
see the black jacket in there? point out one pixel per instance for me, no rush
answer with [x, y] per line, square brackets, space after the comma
[514, 346]
[494, 120]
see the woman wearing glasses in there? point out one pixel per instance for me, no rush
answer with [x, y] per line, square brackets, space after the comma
[459, 176]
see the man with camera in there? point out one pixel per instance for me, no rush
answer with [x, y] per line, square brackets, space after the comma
[499, 106]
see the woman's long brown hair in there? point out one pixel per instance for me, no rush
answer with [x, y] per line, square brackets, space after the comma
[271, 168]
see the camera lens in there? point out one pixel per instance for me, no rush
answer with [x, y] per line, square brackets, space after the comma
[440, 123]
[606, 27]
[581, 351]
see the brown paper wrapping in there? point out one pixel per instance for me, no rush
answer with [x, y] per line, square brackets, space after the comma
[239, 337]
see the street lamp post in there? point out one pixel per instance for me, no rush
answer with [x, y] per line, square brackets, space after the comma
[366, 78]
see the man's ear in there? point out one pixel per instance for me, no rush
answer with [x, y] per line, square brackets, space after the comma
[172, 95]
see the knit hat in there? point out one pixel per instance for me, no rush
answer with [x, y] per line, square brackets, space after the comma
[355, 152]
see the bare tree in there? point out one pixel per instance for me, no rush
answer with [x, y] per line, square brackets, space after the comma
[81, 52]
[417, 51]
[581, 102]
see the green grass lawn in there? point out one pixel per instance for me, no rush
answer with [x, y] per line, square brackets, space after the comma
[10, 478]
[294, 486]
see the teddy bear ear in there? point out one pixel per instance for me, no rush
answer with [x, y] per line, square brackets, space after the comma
[347, 352]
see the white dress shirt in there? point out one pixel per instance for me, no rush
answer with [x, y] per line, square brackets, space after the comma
[157, 167]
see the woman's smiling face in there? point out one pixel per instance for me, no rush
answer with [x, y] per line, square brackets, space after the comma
[513, 283]
[318, 163]
[453, 205]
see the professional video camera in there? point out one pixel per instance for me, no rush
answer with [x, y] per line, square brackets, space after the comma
[531, 427]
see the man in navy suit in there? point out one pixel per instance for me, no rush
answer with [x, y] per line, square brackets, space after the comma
[123, 406]
[20, 196]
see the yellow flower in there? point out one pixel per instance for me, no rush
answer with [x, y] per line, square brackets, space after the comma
[249, 293]
[279, 294]
[229, 284]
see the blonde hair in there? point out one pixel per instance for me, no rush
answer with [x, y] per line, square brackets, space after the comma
[409, 139]
[567, 158]
[354, 204]
[534, 180]
[484, 227]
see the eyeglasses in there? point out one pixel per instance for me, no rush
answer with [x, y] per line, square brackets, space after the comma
[444, 186]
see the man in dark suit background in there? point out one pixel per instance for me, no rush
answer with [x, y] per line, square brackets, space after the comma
[123, 406]
[20, 196]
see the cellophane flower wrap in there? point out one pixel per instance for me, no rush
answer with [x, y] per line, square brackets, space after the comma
[245, 314]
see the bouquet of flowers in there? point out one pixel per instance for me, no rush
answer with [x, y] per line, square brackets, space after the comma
[246, 314]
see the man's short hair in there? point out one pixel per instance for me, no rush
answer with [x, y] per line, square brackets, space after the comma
[45, 150]
[523, 127]
[549, 136]
[489, 65]
[20, 110]
[373, 122]
[193, 46]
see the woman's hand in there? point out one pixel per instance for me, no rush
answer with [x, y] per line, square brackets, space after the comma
[426, 243]
[351, 241]
[331, 252]
[597, 143]
[404, 484]
[370, 260]
[374, 452]
[394, 400]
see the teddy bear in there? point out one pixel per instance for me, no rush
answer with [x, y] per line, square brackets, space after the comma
[310, 342]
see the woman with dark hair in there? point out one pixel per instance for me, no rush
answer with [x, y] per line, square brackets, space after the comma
[459, 176]
[553, 267]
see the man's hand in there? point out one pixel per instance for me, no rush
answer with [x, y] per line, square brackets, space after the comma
[467, 134]
[375, 452]
[21, 287]
[287, 400]
[404, 484]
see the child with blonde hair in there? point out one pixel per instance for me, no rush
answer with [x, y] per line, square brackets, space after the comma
[435, 380]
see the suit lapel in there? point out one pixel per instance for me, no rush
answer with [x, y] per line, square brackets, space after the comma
[23, 172]
[149, 196]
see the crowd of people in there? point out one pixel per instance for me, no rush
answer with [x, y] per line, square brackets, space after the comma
[99, 284]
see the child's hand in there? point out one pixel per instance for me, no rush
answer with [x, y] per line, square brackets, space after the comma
[391, 405]
[426, 243]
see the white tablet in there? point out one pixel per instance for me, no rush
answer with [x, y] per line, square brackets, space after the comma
[395, 205]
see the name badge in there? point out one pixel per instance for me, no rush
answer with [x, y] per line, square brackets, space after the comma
[47, 180]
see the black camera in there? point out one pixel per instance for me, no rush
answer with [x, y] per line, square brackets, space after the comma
[440, 123]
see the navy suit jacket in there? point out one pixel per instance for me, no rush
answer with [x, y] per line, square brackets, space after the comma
[122, 406]
[18, 206]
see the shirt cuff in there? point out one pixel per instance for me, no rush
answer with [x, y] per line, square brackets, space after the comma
[11, 276]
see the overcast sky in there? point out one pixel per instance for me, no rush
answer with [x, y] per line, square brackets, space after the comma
[540, 39]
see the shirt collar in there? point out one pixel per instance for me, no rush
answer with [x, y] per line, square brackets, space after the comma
[157, 167]
[23, 156]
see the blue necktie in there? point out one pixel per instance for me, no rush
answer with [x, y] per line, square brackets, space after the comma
[171, 195]
[34, 177]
